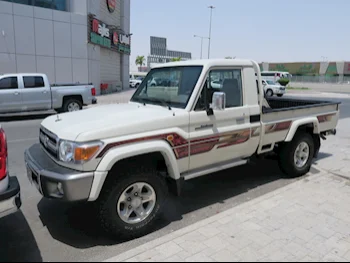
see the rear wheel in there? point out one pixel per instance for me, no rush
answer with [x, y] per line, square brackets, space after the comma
[280, 95]
[269, 93]
[295, 157]
[131, 202]
[71, 105]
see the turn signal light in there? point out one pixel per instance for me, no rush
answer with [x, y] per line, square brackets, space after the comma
[85, 153]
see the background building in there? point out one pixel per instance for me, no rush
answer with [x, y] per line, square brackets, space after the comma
[69, 40]
[337, 71]
[160, 53]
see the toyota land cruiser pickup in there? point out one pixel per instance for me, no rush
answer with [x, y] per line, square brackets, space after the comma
[128, 160]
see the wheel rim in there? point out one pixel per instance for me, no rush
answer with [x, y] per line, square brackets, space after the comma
[136, 203]
[269, 93]
[301, 155]
[73, 106]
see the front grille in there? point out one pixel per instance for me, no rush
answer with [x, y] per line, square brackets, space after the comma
[49, 141]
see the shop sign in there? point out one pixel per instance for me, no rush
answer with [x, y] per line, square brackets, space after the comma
[103, 36]
[111, 4]
[100, 34]
[122, 42]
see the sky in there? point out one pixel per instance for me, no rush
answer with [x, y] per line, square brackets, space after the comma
[266, 31]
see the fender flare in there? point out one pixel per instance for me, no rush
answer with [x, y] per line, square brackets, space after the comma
[120, 153]
[296, 124]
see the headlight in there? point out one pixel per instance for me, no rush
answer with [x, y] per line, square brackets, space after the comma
[71, 152]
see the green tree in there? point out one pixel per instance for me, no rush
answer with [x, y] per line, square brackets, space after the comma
[175, 59]
[140, 61]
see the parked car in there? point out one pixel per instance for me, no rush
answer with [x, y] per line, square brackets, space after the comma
[273, 88]
[130, 159]
[135, 83]
[10, 192]
[33, 92]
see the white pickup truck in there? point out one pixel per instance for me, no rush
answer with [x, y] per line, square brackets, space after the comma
[33, 92]
[128, 161]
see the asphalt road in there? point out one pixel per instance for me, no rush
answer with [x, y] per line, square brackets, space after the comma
[52, 231]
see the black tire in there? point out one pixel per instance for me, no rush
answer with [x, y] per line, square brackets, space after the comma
[115, 186]
[280, 95]
[69, 101]
[269, 93]
[137, 85]
[287, 151]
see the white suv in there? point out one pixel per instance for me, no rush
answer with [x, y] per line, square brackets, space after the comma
[10, 192]
[273, 88]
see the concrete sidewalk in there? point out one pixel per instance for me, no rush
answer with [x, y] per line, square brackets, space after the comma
[306, 221]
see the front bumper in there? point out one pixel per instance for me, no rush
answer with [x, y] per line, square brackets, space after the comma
[54, 181]
[279, 91]
[10, 200]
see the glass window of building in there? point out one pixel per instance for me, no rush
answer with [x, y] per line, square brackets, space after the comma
[60, 5]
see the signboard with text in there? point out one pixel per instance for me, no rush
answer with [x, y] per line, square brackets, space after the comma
[101, 34]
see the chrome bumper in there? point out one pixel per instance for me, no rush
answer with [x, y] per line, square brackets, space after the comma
[10, 200]
[54, 181]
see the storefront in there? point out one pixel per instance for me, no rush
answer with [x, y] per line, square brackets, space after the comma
[69, 40]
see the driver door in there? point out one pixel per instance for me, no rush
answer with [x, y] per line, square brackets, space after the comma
[223, 135]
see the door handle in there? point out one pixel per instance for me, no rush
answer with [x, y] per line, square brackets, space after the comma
[45, 91]
[16, 93]
[204, 127]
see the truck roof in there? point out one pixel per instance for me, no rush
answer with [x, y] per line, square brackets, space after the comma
[208, 63]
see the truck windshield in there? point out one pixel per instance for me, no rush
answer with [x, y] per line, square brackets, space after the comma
[172, 86]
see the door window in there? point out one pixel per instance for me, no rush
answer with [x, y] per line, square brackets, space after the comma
[33, 82]
[9, 83]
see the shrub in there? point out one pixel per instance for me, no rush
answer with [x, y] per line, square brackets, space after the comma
[283, 82]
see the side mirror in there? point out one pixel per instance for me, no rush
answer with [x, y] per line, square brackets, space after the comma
[219, 101]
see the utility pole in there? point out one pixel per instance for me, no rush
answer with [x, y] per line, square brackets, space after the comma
[201, 43]
[211, 16]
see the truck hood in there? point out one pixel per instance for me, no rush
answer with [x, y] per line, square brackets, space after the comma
[113, 120]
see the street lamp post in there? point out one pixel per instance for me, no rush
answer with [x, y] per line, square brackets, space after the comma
[211, 16]
[201, 43]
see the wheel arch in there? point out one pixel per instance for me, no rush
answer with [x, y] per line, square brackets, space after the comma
[308, 125]
[157, 153]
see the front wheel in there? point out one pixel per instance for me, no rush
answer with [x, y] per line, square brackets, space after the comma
[269, 93]
[295, 157]
[131, 202]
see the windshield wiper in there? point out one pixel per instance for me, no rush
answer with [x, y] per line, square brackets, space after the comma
[163, 102]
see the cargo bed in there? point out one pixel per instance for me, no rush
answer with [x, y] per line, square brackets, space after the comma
[287, 104]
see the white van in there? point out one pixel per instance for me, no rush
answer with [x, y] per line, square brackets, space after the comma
[275, 75]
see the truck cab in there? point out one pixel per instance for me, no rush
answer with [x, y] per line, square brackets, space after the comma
[205, 116]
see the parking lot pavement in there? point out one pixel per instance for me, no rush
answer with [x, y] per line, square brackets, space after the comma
[46, 230]
[323, 87]
[308, 220]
